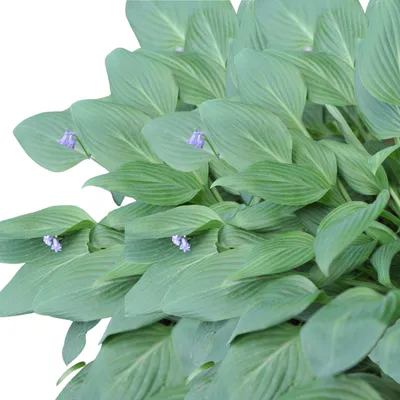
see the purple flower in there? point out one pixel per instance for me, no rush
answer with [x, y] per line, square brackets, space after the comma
[176, 240]
[197, 139]
[68, 140]
[56, 246]
[308, 49]
[48, 240]
[185, 246]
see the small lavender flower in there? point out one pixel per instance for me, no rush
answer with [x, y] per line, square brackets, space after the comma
[56, 246]
[68, 140]
[179, 49]
[308, 48]
[185, 246]
[176, 240]
[48, 240]
[197, 139]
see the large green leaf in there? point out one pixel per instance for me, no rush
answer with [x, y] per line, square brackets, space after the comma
[209, 32]
[119, 323]
[273, 84]
[387, 352]
[330, 80]
[199, 77]
[288, 24]
[39, 135]
[385, 386]
[231, 237]
[173, 393]
[342, 333]
[70, 292]
[168, 136]
[354, 167]
[288, 184]
[138, 363]
[269, 363]
[283, 253]
[202, 292]
[52, 221]
[75, 340]
[382, 118]
[16, 251]
[156, 184]
[147, 295]
[112, 132]
[380, 53]
[378, 158]
[183, 220]
[334, 238]
[162, 25]
[285, 299]
[267, 217]
[118, 218]
[382, 260]
[338, 31]
[145, 84]
[103, 237]
[335, 388]
[261, 133]
[18, 295]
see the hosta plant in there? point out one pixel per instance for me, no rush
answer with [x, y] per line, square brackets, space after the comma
[259, 259]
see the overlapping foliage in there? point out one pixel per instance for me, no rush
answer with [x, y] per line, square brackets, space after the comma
[260, 258]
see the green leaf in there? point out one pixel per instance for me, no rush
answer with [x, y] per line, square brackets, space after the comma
[330, 80]
[312, 215]
[39, 135]
[147, 295]
[382, 260]
[342, 333]
[209, 32]
[309, 152]
[288, 184]
[162, 25]
[201, 291]
[18, 295]
[102, 237]
[140, 362]
[75, 340]
[288, 24]
[70, 292]
[70, 370]
[119, 323]
[286, 298]
[227, 209]
[156, 184]
[333, 239]
[269, 363]
[142, 83]
[168, 136]
[385, 386]
[267, 217]
[383, 119]
[273, 84]
[335, 388]
[183, 220]
[16, 251]
[173, 393]
[111, 132]
[51, 221]
[387, 352]
[118, 218]
[338, 31]
[378, 158]
[199, 77]
[210, 342]
[231, 237]
[354, 167]
[74, 387]
[283, 253]
[261, 133]
[380, 52]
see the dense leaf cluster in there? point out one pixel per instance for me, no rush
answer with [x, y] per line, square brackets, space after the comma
[288, 200]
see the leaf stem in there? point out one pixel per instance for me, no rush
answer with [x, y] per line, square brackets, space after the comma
[89, 156]
[343, 190]
[211, 146]
[215, 192]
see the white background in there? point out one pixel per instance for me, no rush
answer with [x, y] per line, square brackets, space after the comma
[52, 54]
